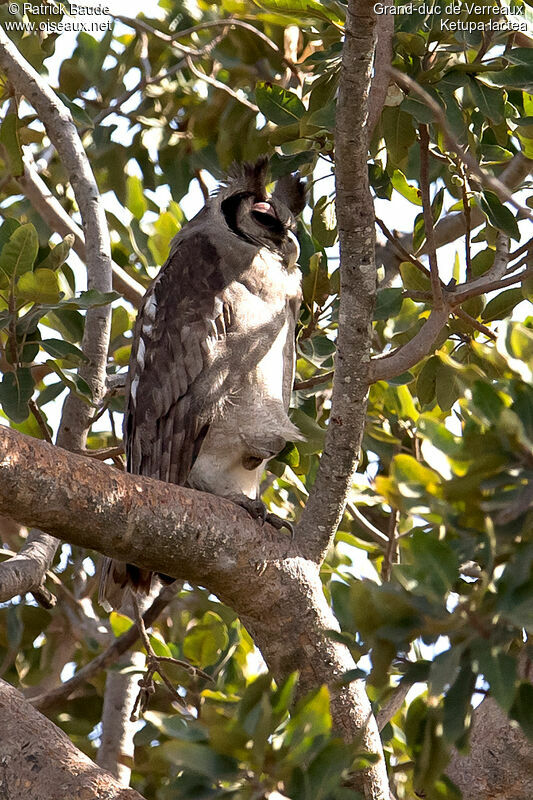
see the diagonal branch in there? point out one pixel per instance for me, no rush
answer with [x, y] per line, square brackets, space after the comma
[207, 540]
[37, 754]
[453, 144]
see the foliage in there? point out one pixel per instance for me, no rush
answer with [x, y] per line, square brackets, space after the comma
[447, 461]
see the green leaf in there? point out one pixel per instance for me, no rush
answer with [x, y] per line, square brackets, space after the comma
[501, 305]
[519, 76]
[59, 348]
[59, 254]
[436, 563]
[205, 641]
[90, 299]
[120, 623]
[407, 190]
[315, 284]
[457, 706]
[135, 200]
[75, 383]
[388, 303]
[500, 672]
[199, 758]
[489, 101]
[447, 386]
[10, 139]
[79, 115]
[20, 252]
[303, 9]
[499, 215]
[413, 278]
[279, 105]
[317, 349]
[324, 221]
[399, 133]
[41, 286]
[16, 390]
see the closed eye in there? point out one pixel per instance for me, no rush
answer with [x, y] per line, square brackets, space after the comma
[268, 221]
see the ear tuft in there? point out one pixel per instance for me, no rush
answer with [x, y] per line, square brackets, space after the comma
[290, 189]
[248, 177]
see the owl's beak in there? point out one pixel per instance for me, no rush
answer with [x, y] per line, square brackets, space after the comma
[264, 208]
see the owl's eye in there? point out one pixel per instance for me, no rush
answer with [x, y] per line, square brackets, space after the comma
[264, 213]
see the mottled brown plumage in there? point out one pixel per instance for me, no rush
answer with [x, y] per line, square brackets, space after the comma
[212, 359]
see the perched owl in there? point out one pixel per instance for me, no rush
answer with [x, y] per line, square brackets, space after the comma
[212, 360]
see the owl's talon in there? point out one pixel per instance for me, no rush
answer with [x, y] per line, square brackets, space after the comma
[258, 510]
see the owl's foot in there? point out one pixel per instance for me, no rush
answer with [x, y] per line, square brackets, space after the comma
[258, 510]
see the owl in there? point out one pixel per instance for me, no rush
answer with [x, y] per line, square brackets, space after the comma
[213, 353]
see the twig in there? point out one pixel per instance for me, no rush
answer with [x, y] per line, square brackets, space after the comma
[405, 254]
[468, 224]
[524, 248]
[107, 657]
[153, 664]
[367, 526]
[393, 704]
[391, 551]
[436, 288]
[26, 573]
[314, 381]
[222, 86]
[453, 144]
[456, 298]
[36, 411]
[459, 312]
[105, 452]
[382, 60]
[496, 272]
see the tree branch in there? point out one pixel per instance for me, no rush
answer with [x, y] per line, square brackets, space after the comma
[24, 572]
[382, 61]
[40, 761]
[355, 212]
[76, 416]
[451, 226]
[204, 539]
[389, 365]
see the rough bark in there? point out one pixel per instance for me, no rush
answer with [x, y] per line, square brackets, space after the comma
[500, 761]
[355, 213]
[201, 538]
[39, 761]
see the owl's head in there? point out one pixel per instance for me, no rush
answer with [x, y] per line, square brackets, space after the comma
[259, 218]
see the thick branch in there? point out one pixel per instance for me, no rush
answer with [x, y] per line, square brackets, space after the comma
[39, 760]
[500, 760]
[76, 416]
[355, 213]
[24, 572]
[203, 539]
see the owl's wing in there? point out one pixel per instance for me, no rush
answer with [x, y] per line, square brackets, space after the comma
[173, 387]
